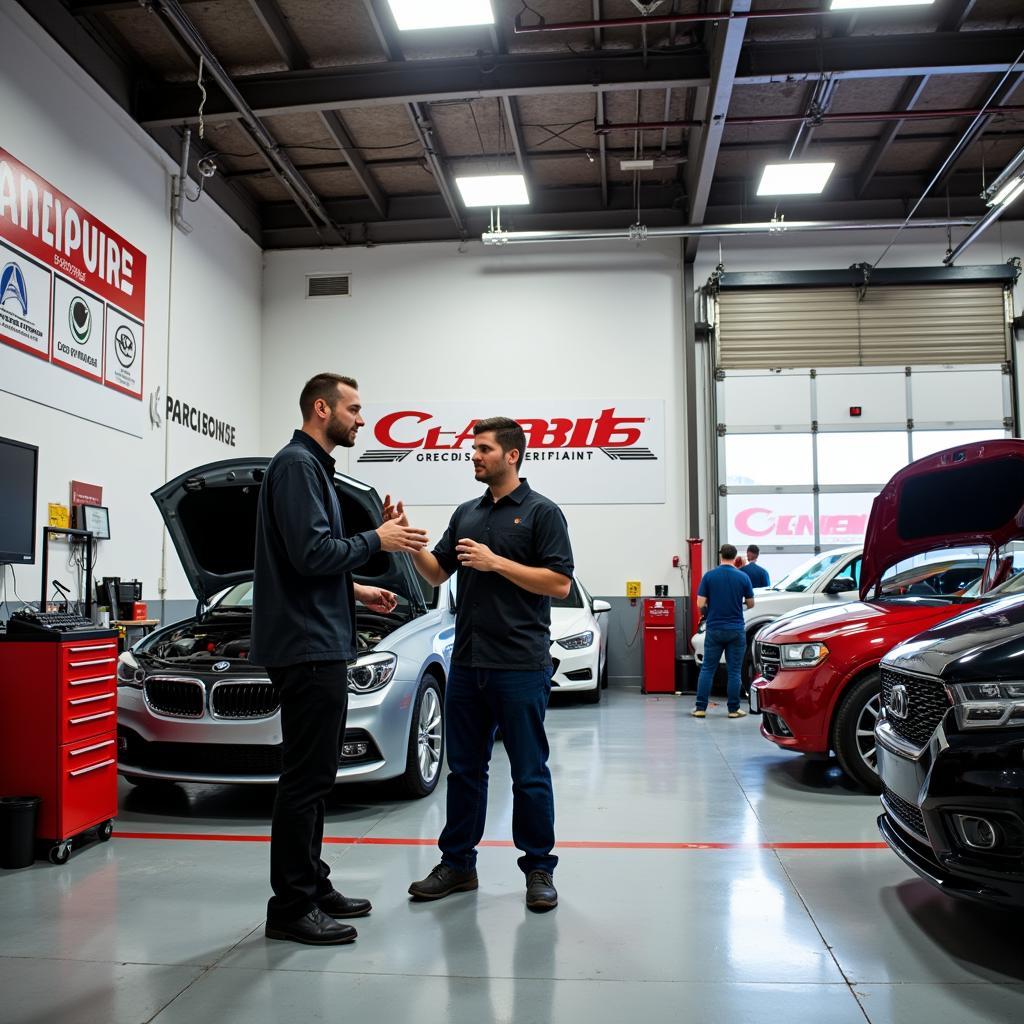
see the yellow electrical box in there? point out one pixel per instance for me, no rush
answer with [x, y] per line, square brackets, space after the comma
[632, 589]
[59, 515]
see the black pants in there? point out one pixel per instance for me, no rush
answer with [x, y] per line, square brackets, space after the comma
[314, 700]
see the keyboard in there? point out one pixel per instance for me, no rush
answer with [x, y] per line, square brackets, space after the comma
[28, 622]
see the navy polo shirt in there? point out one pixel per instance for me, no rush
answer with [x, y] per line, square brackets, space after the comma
[725, 588]
[499, 625]
[758, 575]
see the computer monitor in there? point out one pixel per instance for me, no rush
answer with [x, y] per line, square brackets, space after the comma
[19, 471]
[96, 520]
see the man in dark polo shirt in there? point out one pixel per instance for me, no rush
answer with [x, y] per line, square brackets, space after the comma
[512, 554]
[303, 633]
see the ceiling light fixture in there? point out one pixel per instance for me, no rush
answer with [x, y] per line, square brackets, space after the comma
[416, 14]
[794, 179]
[636, 165]
[493, 190]
[1008, 185]
[863, 5]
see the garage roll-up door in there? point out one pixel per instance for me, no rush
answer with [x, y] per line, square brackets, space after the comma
[892, 325]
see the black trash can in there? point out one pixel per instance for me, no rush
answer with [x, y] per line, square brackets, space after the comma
[18, 830]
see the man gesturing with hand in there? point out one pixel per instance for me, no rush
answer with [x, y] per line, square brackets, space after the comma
[511, 551]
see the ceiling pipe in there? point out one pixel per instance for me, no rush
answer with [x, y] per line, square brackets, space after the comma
[881, 115]
[664, 19]
[641, 233]
[979, 229]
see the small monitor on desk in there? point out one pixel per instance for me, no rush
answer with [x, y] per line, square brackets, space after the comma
[95, 519]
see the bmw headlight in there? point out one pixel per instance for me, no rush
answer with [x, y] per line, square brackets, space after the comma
[371, 673]
[128, 671]
[577, 641]
[984, 705]
[803, 655]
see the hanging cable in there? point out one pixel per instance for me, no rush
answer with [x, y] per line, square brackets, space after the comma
[202, 102]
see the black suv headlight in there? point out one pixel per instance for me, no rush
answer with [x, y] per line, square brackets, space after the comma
[371, 673]
[989, 705]
[128, 671]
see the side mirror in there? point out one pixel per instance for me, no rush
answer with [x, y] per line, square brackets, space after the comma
[600, 606]
[841, 585]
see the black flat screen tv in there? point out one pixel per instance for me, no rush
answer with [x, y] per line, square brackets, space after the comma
[19, 471]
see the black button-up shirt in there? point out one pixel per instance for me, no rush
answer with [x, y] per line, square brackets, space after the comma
[499, 625]
[303, 606]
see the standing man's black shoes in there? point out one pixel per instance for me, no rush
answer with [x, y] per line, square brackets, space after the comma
[443, 881]
[540, 891]
[335, 905]
[315, 929]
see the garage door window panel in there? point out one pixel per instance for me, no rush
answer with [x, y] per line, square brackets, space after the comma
[769, 460]
[861, 457]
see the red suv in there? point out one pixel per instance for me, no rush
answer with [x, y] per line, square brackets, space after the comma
[817, 684]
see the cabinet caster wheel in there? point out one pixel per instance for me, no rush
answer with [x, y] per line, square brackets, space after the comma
[59, 854]
[106, 830]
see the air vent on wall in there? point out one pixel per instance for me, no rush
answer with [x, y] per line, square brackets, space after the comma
[334, 284]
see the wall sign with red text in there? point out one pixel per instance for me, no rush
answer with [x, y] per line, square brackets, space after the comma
[73, 297]
[590, 451]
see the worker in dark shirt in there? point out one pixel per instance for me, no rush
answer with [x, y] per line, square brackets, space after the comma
[303, 633]
[722, 595]
[511, 551]
[757, 573]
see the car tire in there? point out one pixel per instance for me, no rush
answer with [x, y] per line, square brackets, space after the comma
[603, 682]
[852, 741]
[592, 696]
[426, 741]
[747, 672]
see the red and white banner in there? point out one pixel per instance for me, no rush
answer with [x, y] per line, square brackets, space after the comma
[72, 295]
[577, 452]
[788, 519]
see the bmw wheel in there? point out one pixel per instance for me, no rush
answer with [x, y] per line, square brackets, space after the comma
[426, 741]
[853, 737]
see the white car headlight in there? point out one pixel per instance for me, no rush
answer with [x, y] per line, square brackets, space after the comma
[803, 655]
[988, 705]
[128, 671]
[371, 673]
[577, 641]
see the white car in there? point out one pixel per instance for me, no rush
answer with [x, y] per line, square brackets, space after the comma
[830, 577]
[579, 640]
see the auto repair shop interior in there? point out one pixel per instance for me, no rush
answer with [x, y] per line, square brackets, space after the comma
[746, 271]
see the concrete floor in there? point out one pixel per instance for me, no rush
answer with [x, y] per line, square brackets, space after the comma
[649, 928]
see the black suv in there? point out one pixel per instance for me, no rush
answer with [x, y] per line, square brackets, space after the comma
[950, 744]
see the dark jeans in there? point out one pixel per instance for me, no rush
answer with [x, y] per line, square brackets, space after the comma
[734, 643]
[476, 701]
[314, 700]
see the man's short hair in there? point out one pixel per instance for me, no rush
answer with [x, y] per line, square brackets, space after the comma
[325, 386]
[727, 552]
[753, 549]
[506, 432]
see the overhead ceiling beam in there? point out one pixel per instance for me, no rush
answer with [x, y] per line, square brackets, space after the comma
[431, 81]
[295, 56]
[705, 143]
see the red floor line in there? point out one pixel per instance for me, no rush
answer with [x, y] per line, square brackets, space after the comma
[232, 837]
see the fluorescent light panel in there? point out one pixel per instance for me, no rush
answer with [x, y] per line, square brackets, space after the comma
[863, 5]
[1008, 192]
[416, 14]
[794, 179]
[493, 190]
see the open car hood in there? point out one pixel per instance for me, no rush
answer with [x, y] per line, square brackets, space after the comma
[961, 496]
[210, 513]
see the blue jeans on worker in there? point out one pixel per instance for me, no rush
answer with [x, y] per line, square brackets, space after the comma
[734, 643]
[476, 702]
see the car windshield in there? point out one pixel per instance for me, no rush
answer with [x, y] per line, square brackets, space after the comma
[803, 576]
[949, 577]
[239, 596]
[572, 600]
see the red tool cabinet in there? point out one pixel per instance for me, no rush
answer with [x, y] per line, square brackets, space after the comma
[58, 731]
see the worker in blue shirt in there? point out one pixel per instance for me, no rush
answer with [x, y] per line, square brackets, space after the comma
[722, 595]
[758, 576]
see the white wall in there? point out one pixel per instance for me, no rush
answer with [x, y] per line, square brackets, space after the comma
[204, 296]
[427, 323]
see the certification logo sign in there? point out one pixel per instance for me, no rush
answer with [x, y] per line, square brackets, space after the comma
[80, 320]
[125, 347]
[13, 288]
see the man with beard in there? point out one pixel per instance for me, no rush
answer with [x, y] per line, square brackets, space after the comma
[511, 551]
[303, 633]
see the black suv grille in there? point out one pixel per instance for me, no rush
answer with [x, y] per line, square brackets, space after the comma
[906, 814]
[927, 701]
[182, 698]
[250, 699]
[768, 657]
[221, 758]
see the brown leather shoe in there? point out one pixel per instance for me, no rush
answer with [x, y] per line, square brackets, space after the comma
[315, 929]
[443, 881]
[540, 891]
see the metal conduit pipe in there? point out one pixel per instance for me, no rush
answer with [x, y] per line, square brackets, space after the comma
[171, 10]
[641, 233]
[665, 19]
